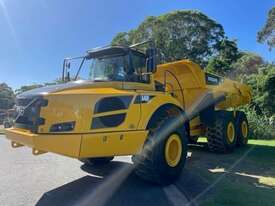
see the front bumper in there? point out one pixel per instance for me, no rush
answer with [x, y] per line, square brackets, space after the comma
[80, 145]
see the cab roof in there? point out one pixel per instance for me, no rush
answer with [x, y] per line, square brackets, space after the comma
[109, 50]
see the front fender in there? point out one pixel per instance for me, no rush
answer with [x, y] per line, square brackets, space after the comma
[156, 101]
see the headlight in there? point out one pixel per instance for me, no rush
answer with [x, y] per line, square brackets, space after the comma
[62, 127]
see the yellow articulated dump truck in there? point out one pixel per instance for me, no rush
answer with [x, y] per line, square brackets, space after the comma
[120, 102]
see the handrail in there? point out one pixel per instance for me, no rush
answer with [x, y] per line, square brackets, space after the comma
[173, 75]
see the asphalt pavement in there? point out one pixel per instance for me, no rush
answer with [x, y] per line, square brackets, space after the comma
[51, 179]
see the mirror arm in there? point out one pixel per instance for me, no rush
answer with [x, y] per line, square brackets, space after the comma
[79, 68]
[63, 71]
[150, 42]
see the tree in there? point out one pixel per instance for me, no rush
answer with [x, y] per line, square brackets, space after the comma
[183, 34]
[269, 88]
[34, 86]
[227, 55]
[262, 84]
[121, 38]
[27, 88]
[6, 97]
[267, 34]
[248, 63]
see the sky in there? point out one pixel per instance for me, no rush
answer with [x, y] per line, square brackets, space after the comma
[36, 35]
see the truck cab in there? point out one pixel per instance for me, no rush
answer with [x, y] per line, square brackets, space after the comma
[96, 115]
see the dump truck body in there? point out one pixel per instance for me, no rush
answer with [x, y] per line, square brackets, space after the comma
[133, 108]
[75, 103]
[196, 90]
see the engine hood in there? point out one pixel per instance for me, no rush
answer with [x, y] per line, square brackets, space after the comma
[68, 86]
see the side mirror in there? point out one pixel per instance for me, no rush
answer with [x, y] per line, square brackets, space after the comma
[151, 60]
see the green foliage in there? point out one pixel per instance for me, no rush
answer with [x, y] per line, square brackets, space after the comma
[121, 38]
[267, 34]
[34, 86]
[218, 66]
[248, 63]
[261, 126]
[27, 88]
[6, 97]
[183, 34]
[263, 86]
[269, 91]
[227, 54]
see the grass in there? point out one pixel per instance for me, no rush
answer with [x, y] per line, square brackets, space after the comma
[270, 143]
[245, 177]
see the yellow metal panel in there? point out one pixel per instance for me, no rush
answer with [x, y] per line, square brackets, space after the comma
[92, 87]
[236, 94]
[195, 123]
[64, 144]
[92, 90]
[192, 81]
[82, 145]
[139, 86]
[189, 74]
[131, 120]
[112, 144]
[196, 128]
[80, 108]
[20, 136]
[193, 97]
[108, 88]
[197, 132]
[190, 78]
[148, 109]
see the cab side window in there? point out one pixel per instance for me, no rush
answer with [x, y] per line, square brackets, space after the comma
[139, 66]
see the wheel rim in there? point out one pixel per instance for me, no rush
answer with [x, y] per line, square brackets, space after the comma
[173, 150]
[244, 128]
[230, 132]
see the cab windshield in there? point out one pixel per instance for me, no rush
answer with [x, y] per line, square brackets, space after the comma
[129, 67]
[113, 68]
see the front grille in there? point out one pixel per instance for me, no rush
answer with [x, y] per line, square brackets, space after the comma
[28, 110]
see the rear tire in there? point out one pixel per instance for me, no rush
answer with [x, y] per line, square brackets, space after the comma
[164, 153]
[242, 128]
[97, 160]
[221, 135]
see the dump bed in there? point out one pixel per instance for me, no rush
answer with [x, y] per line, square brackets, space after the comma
[190, 85]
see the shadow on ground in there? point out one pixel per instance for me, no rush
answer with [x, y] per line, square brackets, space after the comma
[116, 184]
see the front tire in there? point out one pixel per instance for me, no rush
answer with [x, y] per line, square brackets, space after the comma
[164, 154]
